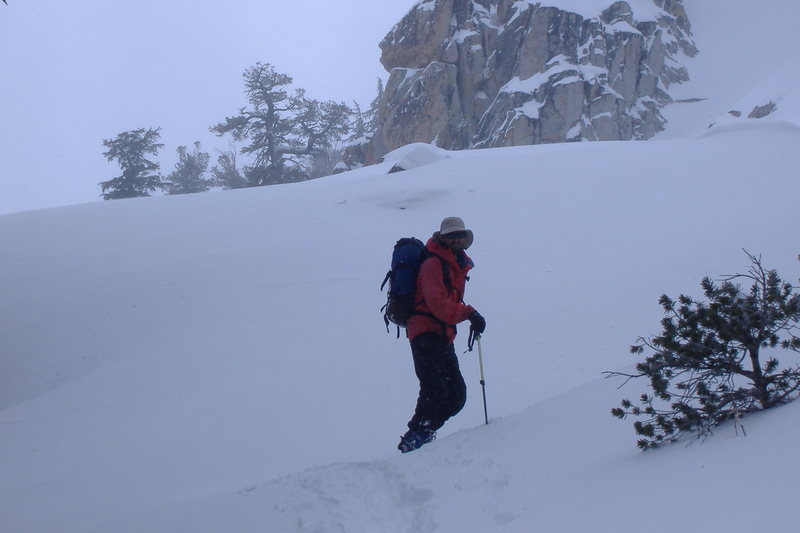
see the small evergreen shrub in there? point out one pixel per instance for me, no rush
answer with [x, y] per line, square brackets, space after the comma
[715, 360]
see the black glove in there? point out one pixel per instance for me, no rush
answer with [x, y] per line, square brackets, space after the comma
[476, 326]
[477, 323]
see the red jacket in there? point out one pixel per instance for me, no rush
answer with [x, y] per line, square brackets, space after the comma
[435, 298]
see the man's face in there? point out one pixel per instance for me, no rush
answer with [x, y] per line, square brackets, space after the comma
[456, 240]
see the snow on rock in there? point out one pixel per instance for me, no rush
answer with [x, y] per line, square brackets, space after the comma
[642, 9]
[774, 101]
[478, 69]
[742, 46]
[412, 156]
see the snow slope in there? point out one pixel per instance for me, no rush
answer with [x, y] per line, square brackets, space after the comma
[165, 358]
[748, 56]
[217, 362]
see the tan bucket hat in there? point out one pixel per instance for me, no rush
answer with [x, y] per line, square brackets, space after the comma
[454, 224]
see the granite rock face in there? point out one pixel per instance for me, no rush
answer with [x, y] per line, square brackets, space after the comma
[489, 73]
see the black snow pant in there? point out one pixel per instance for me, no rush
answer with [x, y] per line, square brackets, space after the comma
[442, 391]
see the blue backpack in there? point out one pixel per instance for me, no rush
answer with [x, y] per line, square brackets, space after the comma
[408, 255]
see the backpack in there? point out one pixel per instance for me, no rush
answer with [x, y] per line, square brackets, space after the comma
[408, 255]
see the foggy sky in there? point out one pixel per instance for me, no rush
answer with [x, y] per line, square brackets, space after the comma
[77, 72]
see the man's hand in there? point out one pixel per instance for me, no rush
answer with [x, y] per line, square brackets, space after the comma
[477, 323]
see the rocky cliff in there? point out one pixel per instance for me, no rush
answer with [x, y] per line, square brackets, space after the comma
[488, 73]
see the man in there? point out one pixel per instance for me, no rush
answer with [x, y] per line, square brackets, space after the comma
[432, 330]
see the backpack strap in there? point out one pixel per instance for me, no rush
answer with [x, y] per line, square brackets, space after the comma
[385, 318]
[448, 283]
[445, 272]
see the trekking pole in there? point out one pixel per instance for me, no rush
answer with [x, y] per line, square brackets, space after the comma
[483, 381]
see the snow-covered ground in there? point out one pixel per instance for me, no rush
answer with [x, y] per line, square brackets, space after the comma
[218, 362]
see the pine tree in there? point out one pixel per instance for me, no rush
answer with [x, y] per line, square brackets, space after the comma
[226, 173]
[372, 115]
[139, 176]
[358, 131]
[709, 363]
[283, 129]
[325, 160]
[189, 174]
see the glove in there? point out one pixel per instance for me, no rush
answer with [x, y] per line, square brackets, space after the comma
[477, 323]
[476, 326]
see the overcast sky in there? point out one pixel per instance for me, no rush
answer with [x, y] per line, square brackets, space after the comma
[75, 72]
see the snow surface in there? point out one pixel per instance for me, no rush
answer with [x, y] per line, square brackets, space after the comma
[218, 362]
